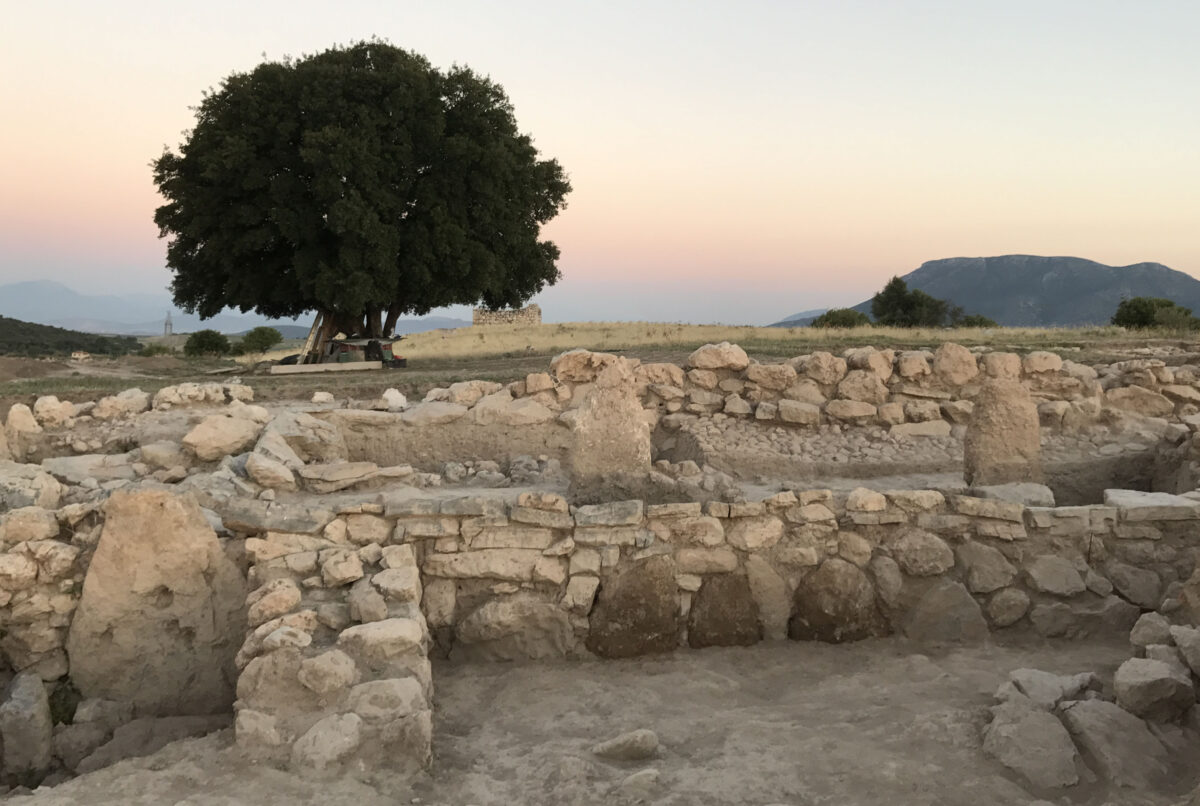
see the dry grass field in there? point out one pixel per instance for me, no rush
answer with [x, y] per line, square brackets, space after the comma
[508, 352]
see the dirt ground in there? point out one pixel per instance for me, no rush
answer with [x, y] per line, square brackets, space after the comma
[877, 722]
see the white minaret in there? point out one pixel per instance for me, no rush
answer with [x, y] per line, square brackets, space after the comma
[168, 328]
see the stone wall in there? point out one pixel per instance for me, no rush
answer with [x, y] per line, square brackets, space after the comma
[529, 315]
[347, 601]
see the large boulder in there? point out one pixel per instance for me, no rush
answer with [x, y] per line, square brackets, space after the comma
[946, 614]
[836, 603]
[1120, 745]
[125, 404]
[1003, 440]
[218, 436]
[1033, 743]
[636, 611]
[162, 611]
[719, 356]
[610, 432]
[724, 613]
[954, 364]
[1153, 689]
[25, 725]
[515, 628]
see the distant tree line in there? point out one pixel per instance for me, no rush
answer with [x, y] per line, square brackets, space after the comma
[212, 343]
[33, 340]
[899, 306]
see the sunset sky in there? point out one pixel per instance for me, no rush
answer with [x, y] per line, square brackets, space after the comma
[731, 162]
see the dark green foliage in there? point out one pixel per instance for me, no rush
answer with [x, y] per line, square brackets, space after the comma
[1139, 313]
[360, 182]
[1176, 318]
[206, 342]
[155, 349]
[974, 320]
[261, 339]
[842, 317]
[29, 339]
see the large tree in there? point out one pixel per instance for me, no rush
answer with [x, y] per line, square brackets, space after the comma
[362, 183]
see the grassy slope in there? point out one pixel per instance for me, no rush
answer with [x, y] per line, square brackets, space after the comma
[29, 339]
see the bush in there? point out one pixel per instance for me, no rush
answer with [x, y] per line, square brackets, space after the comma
[842, 317]
[1140, 313]
[1176, 318]
[975, 320]
[206, 342]
[151, 350]
[261, 339]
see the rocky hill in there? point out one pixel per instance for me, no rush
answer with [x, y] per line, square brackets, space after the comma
[1028, 290]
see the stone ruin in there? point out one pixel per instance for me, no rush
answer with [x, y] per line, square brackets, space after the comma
[529, 315]
[171, 561]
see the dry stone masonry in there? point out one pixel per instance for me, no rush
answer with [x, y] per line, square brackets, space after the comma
[177, 558]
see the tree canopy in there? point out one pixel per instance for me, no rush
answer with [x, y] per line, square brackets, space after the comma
[261, 339]
[842, 317]
[206, 342]
[1139, 313]
[360, 182]
[897, 305]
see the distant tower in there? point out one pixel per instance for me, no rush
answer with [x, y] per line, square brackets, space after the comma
[168, 328]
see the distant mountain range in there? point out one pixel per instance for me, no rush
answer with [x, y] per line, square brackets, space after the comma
[1032, 291]
[49, 303]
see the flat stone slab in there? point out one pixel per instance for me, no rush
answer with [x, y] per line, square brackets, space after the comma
[1140, 506]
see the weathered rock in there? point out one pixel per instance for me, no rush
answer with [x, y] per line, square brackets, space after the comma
[50, 411]
[946, 614]
[798, 413]
[515, 628]
[125, 404]
[636, 611]
[1120, 745]
[1139, 585]
[1046, 690]
[329, 478]
[161, 615]
[267, 472]
[329, 672]
[1138, 400]
[328, 742]
[636, 745]
[610, 433]
[24, 485]
[771, 597]
[380, 640]
[1153, 689]
[719, 356]
[836, 603]
[1008, 606]
[25, 725]
[921, 553]
[724, 613]
[580, 366]
[73, 743]
[1025, 493]
[310, 439]
[1063, 620]
[1003, 440]
[143, 737]
[217, 436]
[851, 411]
[754, 533]
[1034, 744]
[863, 386]
[1050, 573]
[1187, 640]
[954, 364]
[1150, 628]
[772, 376]
[825, 368]
[987, 569]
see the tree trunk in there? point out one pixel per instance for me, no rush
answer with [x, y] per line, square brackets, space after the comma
[389, 324]
[374, 323]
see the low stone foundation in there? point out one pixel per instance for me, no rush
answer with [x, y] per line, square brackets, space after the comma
[529, 315]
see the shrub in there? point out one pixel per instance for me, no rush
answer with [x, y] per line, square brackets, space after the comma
[151, 350]
[261, 339]
[1176, 318]
[842, 317]
[975, 320]
[1139, 313]
[206, 342]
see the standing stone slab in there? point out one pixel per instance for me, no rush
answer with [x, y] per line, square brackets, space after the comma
[636, 611]
[724, 613]
[946, 614]
[162, 611]
[1003, 440]
[25, 725]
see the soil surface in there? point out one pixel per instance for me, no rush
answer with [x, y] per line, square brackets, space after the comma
[792, 723]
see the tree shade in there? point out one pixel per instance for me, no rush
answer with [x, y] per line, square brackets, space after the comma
[362, 183]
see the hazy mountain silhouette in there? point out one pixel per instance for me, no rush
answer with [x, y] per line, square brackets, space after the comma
[50, 303]
[1028, 290]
